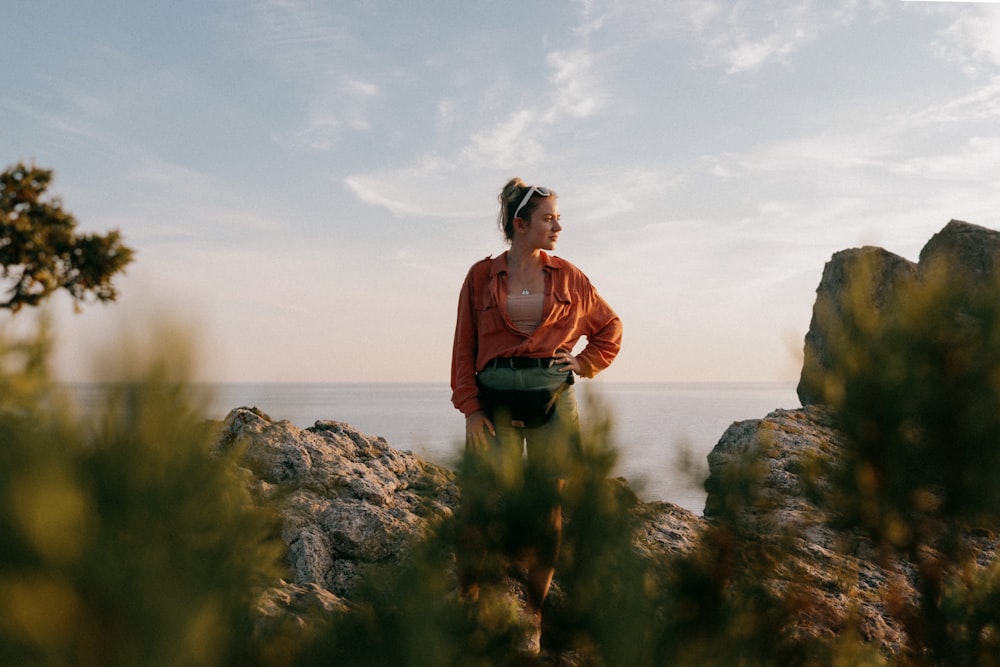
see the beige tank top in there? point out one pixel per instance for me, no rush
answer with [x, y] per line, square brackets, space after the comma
[525, 311]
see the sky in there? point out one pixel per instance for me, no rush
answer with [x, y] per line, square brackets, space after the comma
[306, 182]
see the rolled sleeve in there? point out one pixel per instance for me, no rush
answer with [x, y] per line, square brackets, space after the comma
[604, 338]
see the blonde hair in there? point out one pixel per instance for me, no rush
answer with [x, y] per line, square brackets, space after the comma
[510, 198]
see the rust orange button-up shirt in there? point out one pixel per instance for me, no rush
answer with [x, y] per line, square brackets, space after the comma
[484, 331]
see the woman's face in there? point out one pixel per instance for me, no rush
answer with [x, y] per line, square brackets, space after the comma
[543, 232]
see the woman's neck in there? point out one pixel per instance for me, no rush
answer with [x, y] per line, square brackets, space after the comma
[523, 258]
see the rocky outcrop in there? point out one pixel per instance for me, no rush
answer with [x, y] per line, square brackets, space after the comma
[785, 460]
[786, 511]
[348, 500]
[861, 282]
[859, 279]
[963, 248]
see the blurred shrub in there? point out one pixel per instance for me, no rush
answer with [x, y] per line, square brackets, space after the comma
[731, 600]
[601, 610]
[609, 590]
[126, 542]
[746, 594]
[919, 401]
[921, 405]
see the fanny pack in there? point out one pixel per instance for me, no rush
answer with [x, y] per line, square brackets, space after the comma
[525, 408]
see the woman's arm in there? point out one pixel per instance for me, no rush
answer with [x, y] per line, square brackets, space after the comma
[464, 392]
[604, 335]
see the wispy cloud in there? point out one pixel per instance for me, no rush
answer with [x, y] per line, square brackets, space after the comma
[750, 35]
[299, 36]
[739, 37]
[434, 185]
[973, 39]
[514, 140]
[521, 138]
[577, 90]
[388, 193]
[63, 128]
[341, 107]
[977, 160]
[980, 103]
[318, 60]
[181, 203]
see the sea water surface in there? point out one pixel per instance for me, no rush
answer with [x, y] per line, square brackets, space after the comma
[656, 427]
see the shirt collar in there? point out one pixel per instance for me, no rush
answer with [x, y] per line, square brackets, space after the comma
[499, 263]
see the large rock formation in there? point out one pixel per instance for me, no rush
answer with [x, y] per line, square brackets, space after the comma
[863, 281]
[839, 573]
[348, 500]
[345, 498]
[964, 248]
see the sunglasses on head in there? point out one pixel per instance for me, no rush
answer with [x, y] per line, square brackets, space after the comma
[540, 189]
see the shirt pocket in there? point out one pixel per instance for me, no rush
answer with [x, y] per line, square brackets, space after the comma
[562, 304]
[488, 317]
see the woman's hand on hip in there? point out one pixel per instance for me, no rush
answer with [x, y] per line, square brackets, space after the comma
[568, 361]
[477, 425]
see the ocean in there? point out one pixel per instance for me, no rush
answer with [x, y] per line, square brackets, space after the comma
[656, 427]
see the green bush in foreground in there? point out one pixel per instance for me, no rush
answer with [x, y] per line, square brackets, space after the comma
[125, 542]
[918, 397]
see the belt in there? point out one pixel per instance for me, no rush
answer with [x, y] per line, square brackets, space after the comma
[520, 362]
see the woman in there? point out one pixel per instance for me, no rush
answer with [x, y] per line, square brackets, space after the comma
[520, 316]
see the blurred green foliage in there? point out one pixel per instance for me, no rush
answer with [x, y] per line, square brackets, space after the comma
[125, 540]
[917, 393]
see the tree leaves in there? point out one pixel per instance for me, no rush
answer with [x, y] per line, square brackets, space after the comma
[40, 250]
